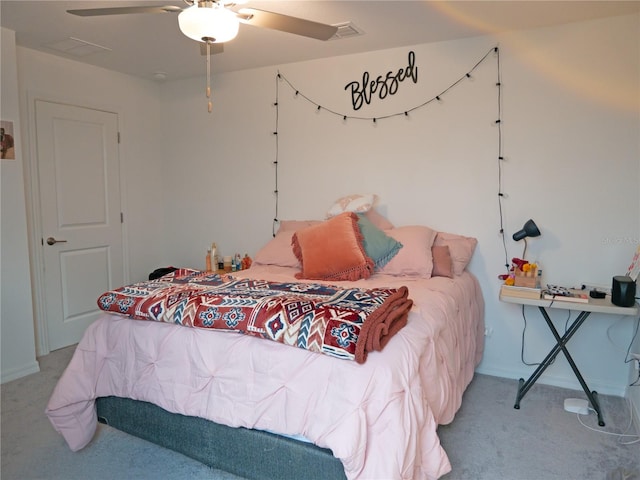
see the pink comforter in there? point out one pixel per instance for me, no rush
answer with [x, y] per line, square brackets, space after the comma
[379, 418]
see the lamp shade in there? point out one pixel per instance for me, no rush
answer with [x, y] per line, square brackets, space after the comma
[530, 229]
[215, 24]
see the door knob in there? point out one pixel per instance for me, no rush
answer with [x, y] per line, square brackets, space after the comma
[53, 241]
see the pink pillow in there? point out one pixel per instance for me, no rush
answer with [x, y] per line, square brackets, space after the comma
[442, 264]
[293, 225]
[460, 247]
[414, 258]
[376, 218]
[332, 250]
[278, 251]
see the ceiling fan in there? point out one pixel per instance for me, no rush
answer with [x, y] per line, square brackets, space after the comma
[215, 22]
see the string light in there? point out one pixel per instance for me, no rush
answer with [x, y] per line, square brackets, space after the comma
[275, 162]
[438, 98]
[501, 195]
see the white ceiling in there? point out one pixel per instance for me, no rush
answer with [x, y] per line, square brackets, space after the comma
[144, 44]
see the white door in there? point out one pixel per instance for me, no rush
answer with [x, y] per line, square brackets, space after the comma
[78, 174]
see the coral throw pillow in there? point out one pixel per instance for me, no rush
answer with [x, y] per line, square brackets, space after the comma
[332, 250]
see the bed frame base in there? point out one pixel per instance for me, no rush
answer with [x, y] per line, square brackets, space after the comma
[252, 454]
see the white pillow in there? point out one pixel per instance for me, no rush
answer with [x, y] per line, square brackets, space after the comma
[357, 203]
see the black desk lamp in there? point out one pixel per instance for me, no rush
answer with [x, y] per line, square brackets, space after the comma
[530, 229]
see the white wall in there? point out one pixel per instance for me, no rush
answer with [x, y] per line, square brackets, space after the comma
[16, 312]
[570, 138]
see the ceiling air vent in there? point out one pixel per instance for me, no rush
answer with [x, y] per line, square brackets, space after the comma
[76, 47]
[346, 30]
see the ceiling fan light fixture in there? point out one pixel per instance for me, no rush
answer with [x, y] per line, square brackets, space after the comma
[210, 22]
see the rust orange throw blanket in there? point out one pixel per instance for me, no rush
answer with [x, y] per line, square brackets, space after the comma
[344, 323]
[384, 323]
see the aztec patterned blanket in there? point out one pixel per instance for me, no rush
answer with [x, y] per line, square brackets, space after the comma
[344, 323]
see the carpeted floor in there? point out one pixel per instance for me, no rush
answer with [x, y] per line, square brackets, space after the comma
[488, 440]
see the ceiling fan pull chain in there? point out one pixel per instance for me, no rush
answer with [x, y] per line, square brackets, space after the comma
[209, 104]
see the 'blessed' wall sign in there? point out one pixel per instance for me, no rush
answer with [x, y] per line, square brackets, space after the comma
[383, 85]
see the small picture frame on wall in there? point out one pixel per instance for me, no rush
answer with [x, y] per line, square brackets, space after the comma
[7, 143]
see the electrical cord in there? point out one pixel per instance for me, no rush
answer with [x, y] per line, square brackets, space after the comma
[620, 436]
[627, 357]
[524, 329]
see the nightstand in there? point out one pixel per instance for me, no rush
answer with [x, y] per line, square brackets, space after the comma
[593, 306]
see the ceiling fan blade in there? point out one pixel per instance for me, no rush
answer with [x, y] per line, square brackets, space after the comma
[285, 23]
[95, 12]
[214, 48]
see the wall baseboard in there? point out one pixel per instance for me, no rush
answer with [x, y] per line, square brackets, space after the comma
[19, 372]
[601, 386]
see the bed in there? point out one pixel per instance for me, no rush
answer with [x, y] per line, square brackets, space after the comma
[261, 409]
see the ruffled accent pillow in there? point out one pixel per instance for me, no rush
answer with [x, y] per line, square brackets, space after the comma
[332, 250]
[460, 247]
[358, 203]
[415, 257]
[379, 246]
